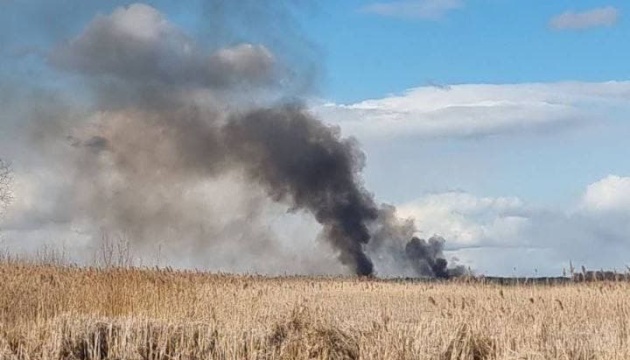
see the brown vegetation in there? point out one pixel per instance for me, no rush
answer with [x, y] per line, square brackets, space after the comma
[54, 312]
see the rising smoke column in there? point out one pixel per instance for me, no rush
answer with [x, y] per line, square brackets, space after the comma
[427, 258]
[308, 165]
[171, 114]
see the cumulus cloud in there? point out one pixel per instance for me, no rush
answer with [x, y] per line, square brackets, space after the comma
[609, 194]
[492, 235]
[571, 20]
[467, 220]
[137, 43]
[415, 9]
[475, 110]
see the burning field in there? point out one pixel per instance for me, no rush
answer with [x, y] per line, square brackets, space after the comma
[51, 312]
[145, 140]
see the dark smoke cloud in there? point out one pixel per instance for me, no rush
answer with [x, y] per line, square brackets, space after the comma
[171, 116]
[138, 44]
[427, 258]
[274, 23]
[306, 164]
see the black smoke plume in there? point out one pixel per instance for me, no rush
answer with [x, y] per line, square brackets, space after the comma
[427, 258]
[301, 161]
[169, 114]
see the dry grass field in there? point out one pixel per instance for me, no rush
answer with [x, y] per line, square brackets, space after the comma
[56, 312]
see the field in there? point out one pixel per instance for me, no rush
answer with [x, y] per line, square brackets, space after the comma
[57, 312]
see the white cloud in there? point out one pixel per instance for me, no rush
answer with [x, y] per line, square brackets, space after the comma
[494, 235]
[571, 20]
[418, 9]
[474, 110]
[609, 194]
[467, 220]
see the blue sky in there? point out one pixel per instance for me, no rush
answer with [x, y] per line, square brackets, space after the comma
[484, 41]
[499, 124]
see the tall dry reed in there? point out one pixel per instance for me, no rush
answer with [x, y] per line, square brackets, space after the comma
[63, 312]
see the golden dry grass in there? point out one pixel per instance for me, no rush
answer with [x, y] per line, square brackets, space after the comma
[53, 312]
